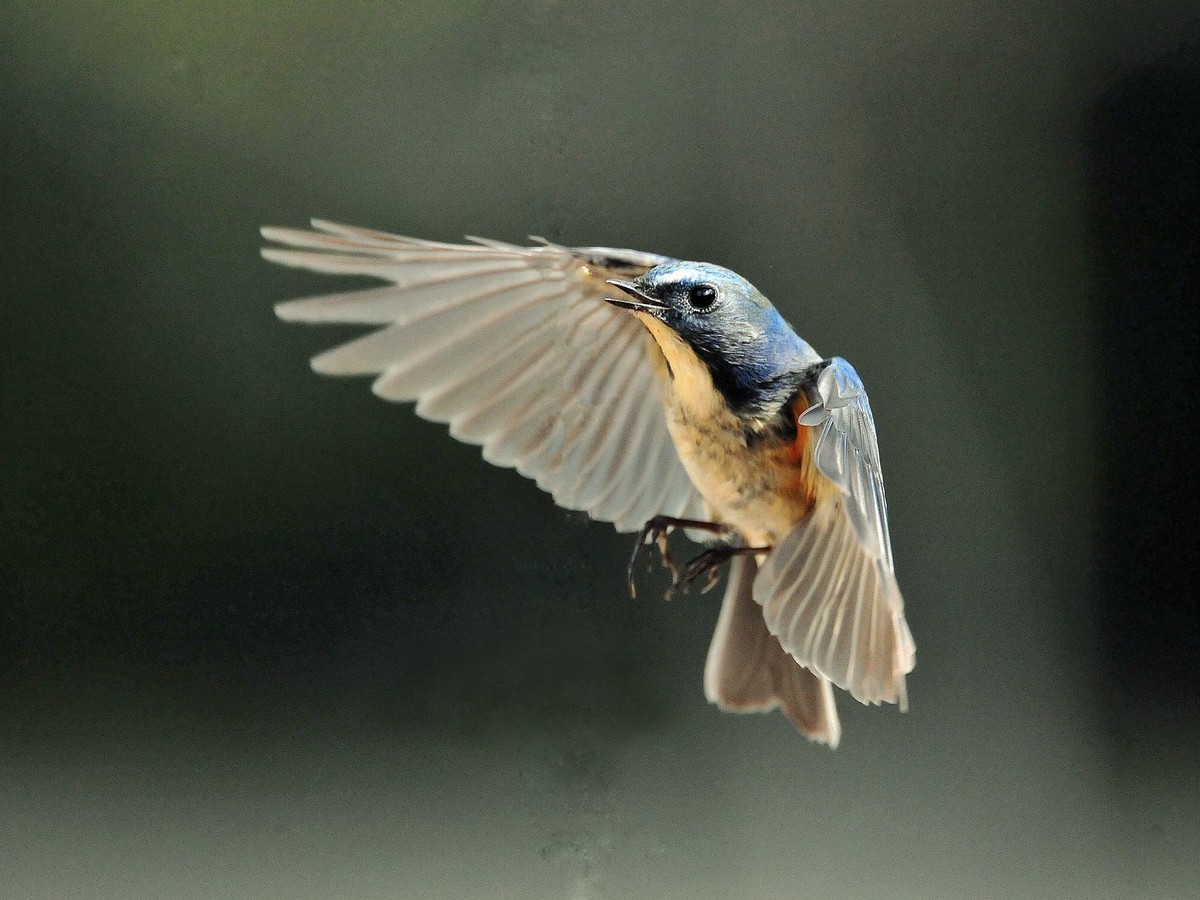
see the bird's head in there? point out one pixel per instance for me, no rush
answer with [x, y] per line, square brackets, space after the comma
[712, 324]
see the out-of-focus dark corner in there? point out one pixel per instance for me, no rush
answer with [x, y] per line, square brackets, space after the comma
[1143, 154]
[1144, 180]
[263, 635]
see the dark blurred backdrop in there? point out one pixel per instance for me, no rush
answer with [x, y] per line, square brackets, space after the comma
[262, 635]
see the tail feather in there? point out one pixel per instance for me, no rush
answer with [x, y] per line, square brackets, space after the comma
[748, 671]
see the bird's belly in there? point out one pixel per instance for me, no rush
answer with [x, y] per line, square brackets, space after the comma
[758, 487]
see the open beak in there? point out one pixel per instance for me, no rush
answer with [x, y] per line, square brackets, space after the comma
[635, 297]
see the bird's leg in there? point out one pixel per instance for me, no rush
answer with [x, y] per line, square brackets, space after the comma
[709, 563]
[656, 530]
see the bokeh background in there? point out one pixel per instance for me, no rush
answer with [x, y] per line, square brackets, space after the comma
[262, 635]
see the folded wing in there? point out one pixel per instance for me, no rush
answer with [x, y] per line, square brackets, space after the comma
[513, 347]
[828, 589]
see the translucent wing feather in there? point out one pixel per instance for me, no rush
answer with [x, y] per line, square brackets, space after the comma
[515, 349]
[847, 451]
[828, 589]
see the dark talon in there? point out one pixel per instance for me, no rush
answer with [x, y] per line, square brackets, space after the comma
[657, 530]
[664, 550]
[714, 576]
[709, 564]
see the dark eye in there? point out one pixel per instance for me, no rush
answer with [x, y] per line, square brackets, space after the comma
[702, 296]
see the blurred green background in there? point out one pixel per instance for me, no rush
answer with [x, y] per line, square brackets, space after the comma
[262, 635]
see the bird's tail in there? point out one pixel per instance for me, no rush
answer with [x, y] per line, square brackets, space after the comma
[748, 671]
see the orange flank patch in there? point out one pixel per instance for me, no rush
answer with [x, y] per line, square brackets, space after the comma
[807, 482]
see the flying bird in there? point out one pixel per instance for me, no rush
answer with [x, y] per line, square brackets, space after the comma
[655, 394]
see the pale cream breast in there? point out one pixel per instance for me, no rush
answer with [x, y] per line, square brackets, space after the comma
[753, 480]
[757, 489]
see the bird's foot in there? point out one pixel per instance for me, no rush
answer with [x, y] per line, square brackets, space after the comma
[656, 531]
[708, 564]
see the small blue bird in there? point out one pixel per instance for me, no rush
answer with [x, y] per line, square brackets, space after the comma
[654, 394]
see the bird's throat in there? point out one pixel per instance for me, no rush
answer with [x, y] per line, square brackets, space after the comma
[689, 381]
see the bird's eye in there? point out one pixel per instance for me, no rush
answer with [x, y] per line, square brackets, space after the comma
[702, 296]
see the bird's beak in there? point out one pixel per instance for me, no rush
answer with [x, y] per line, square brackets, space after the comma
[635, 297]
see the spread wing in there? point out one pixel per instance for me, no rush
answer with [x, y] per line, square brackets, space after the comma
[513, 347]
[829, 590]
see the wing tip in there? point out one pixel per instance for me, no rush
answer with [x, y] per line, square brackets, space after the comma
[290, 311]
[276, 255]
[895, 693]
[336, 362]
[320, 365]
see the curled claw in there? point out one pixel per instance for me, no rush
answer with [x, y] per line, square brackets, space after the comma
[708, 564]
[664, 550]
[657, 530]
